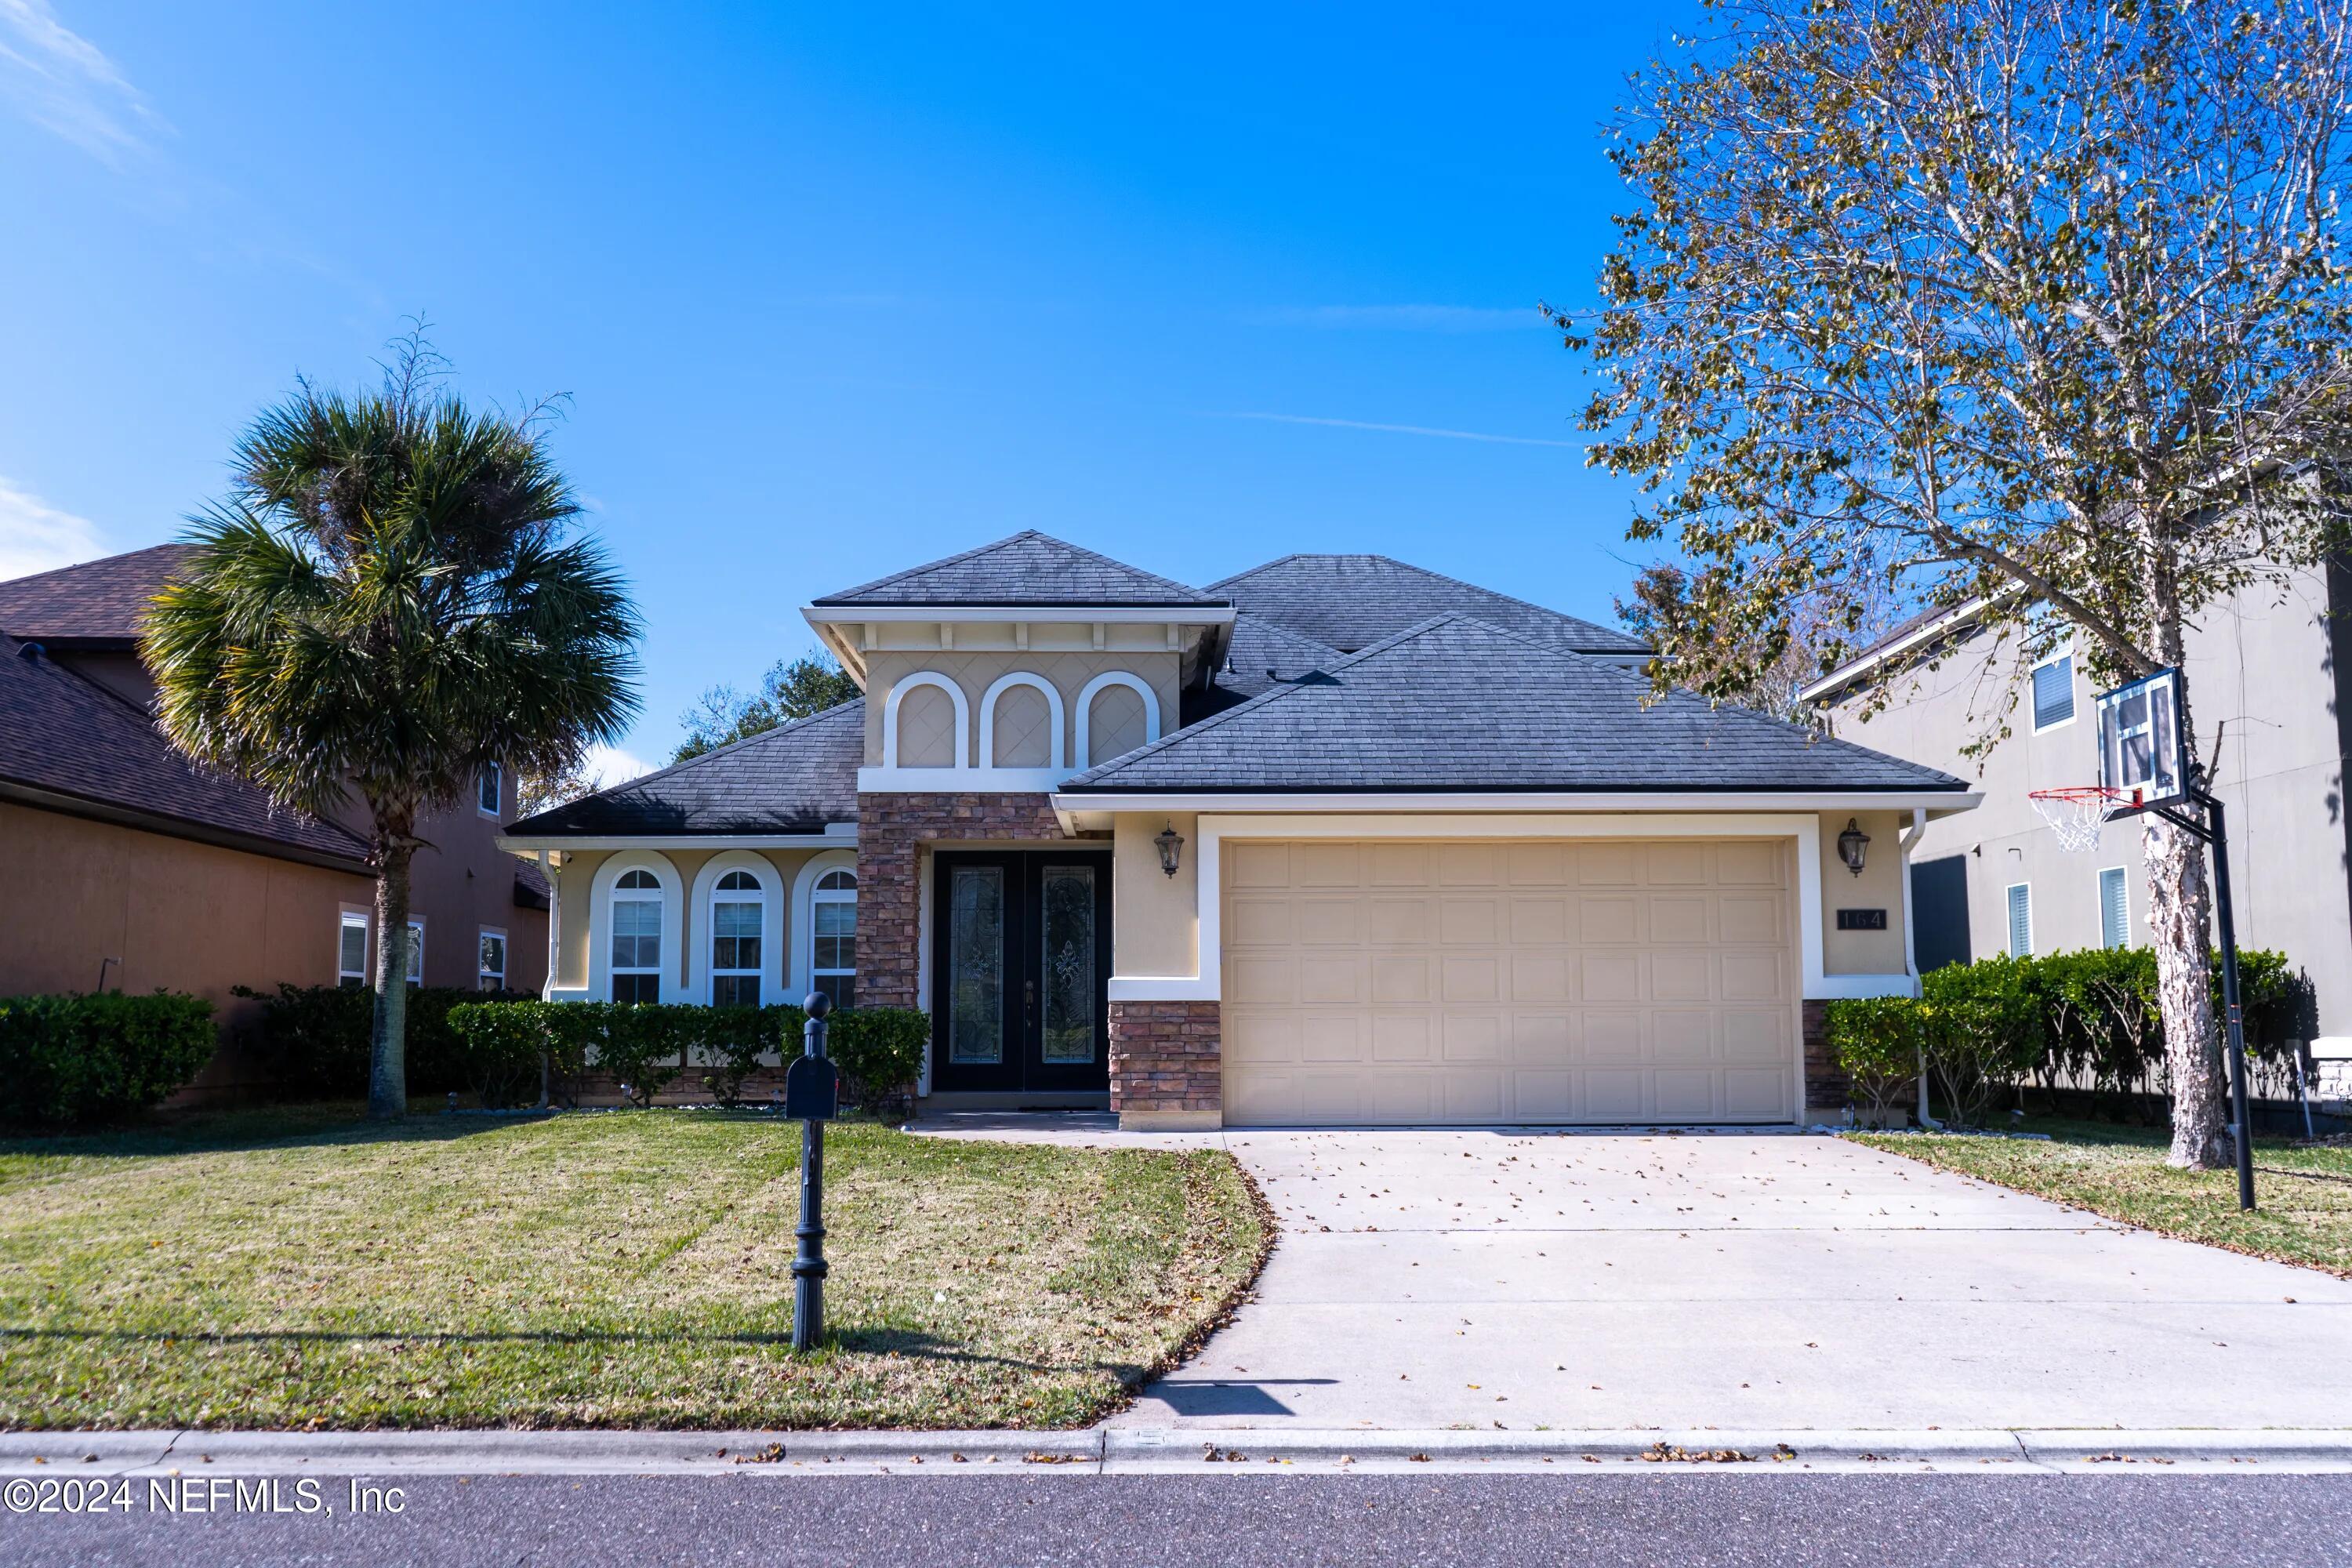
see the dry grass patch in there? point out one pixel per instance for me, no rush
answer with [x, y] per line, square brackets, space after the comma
[295, 1269]
[2304, 1190]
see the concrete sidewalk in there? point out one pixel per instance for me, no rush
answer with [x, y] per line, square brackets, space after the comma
[1777, 1283]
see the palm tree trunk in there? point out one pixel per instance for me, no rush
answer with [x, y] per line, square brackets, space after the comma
[388, 1036]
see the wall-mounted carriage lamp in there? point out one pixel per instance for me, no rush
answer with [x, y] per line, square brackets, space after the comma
[1852, 845]
[1170, 844]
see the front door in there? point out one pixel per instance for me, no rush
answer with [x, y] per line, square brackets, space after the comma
[1020, 969]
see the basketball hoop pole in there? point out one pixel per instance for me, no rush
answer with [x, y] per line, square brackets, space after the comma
[2215, 831]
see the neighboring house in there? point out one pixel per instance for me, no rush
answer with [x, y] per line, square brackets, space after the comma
[1334, 841]
[2267, 675]
[124, 865]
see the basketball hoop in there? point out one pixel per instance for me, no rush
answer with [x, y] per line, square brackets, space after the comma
[2076, 814]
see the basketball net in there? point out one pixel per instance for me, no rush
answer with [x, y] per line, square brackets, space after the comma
[2075, 815]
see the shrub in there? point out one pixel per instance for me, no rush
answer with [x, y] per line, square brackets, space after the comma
[1879, 1042]
[1977, 1047]
[879, 1051]
[503, 1047]
[732, 1041]
[315, 1038]
[65, 1060]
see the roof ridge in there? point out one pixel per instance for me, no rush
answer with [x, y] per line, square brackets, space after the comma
[915, 575]
[769, 733]
[93, 560]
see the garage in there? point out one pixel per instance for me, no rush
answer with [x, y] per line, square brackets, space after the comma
[1605, 981]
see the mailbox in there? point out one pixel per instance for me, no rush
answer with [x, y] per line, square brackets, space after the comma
[812, 1090]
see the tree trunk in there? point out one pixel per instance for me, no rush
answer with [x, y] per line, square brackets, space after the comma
[388, 1036]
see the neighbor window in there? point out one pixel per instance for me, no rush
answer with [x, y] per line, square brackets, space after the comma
[490, 964]
[2021, 920]
[833, 927]
[636, 938]
[2053, 691]
[350, 961]
[738, 914]
[417, 953]
[489, 789]
[2115, 909]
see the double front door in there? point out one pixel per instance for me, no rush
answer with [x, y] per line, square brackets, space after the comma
[1020, 971]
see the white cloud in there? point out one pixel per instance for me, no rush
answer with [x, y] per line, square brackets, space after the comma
[65, 84]
[609, 765]
[1402, 429]
[37, 537]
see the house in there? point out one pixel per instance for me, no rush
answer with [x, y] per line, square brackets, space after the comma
[123, 865]
[2267, 671]
[1338, 840]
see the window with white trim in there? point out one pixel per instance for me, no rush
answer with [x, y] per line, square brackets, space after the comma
[2053, 691]
[2021, 920]
[637, 937]
[490, 959]
[738, 934]
[2114, 907]
[351, 951]
[833, 927]
[417, 953]
[490, 790]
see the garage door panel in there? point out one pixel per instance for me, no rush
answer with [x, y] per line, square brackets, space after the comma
[1601, 981]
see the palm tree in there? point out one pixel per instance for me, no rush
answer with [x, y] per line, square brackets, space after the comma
[384, 604]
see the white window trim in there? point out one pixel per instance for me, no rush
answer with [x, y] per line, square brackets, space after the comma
[773, 926]
[962, 717]
[506, 948]
[803, 977]
[2074, 703]
[1055, 754]
[600, 918]
[1086, 705]
[2098, 884]
[417, 950]
[495, 774]
[2008, 930]
[346, 918]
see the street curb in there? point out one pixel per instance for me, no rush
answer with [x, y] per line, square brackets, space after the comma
[1141, 1450]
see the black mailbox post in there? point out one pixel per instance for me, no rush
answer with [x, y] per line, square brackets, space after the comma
[811, 1097]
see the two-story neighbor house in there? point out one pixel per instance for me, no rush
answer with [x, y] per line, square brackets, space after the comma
[2267, 674]
[1335, 841]
[123, 865]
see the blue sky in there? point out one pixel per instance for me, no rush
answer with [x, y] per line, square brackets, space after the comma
[836, 289]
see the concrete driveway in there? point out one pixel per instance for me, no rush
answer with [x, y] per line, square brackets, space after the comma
[1517, 1280]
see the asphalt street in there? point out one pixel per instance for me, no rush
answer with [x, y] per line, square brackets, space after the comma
[1143, 1522]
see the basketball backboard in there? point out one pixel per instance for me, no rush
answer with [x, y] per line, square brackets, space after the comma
[2143, 756]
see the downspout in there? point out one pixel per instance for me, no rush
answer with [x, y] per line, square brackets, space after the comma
[547, 871]
[1911, 946]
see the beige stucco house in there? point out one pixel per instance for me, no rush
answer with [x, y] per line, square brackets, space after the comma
[1334, 841]
[2266, 672]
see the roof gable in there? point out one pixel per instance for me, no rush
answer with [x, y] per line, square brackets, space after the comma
[795, 778]
[1028, 569]
[1350, 601]
[97, 602]
[1456, 704]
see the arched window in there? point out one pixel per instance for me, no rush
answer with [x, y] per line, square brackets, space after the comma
[637, 937]
[833, 928]
[737, 935]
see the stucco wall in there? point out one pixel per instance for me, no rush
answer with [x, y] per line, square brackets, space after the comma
[1879, 886]
[2263, 673]
[1155, 924]
[681, 975]
[975, 673]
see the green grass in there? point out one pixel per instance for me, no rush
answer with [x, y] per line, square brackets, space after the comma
[2303, 1192]
[304, 1269]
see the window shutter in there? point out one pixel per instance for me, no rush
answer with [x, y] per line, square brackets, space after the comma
[2115, 909]
[2020, 920]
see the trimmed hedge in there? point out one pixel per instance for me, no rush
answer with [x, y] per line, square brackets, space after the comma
[65, 1060]
[2083, 1026]
[314, 1039]
[503, 1047]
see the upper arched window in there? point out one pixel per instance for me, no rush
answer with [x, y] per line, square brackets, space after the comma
[833, 928]
[926, 724]
[738, 936]
[637, 937]
[1116, 713]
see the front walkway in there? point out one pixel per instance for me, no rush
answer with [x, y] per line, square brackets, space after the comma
[1752, 1281]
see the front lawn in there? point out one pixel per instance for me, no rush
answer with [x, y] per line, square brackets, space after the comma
[2304, 1192]
[302, 1269]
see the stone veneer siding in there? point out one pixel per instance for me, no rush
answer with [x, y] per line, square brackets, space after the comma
[1167, 1056]
[891, 831]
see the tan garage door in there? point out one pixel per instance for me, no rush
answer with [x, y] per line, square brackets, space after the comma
[1592, 981]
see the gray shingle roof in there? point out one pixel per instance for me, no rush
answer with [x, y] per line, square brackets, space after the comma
[1263, 656]
[795, 778]
[96, 601]
[64, 735]
[1456, 704]
[1350, 601]
[1030, 568]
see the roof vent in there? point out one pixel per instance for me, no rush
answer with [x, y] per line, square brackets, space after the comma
[31, 650]
[1312, 678]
